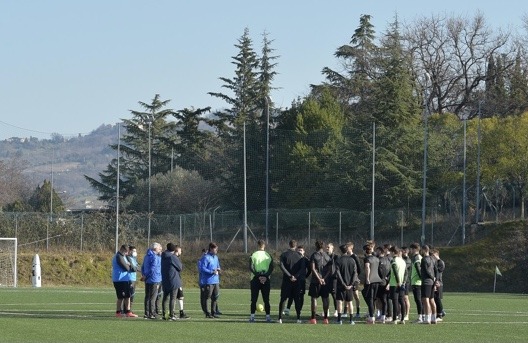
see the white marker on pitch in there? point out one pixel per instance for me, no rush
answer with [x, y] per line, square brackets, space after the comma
[35, 278]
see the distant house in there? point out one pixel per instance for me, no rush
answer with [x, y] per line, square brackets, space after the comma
[17, 140]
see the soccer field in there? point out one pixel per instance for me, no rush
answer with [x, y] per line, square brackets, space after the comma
[87, 315]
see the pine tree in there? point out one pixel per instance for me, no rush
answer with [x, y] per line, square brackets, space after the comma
[195, 149]
[381, 80]
[41, 199]
[148, 128]
[495, 91]
[518, 95]
[244, 87]
[249, 100]
[397, 113]
[353, 87]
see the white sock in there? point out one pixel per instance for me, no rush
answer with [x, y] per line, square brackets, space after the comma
[180, 302]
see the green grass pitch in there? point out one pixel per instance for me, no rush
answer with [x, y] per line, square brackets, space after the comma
[87, 315]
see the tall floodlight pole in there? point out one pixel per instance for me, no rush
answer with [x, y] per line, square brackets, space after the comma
[477, 212]
[424, 176]
[267, 100]
[464, 187]
[117, 186]
[150, 119]
[51, 200]
[245, 194]
[373, 180]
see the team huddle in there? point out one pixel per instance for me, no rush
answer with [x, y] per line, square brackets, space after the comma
[385, 276]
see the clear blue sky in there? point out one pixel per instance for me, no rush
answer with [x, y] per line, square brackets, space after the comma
[69, 66]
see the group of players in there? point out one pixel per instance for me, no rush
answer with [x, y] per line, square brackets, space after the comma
[385, 275]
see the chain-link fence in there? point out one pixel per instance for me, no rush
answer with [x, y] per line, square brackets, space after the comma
[96, 231]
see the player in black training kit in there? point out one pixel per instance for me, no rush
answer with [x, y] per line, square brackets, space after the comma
[293, 266]
[347, 281]
[322, 268]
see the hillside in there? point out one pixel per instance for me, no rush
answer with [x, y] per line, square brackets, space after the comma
[469, 268]
[69, 159]
[472, 267]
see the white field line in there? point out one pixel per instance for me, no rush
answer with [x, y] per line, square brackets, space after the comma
[48, 315]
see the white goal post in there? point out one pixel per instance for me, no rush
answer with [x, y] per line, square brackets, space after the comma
[8, 262]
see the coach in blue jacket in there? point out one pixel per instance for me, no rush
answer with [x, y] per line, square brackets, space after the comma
[209, 270]
[151, 275]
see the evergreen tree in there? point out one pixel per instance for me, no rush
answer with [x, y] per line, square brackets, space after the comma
[18, 206]
[306, 176]
[41, 199]
[397, 113]
[518, 96]
[249, 100]
[244, 87]
[267, 67]
[148, 128]
[495, 91]
[384, 92]
[353, 87]
[195, 149]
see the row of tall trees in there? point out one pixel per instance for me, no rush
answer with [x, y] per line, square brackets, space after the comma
[321, 148]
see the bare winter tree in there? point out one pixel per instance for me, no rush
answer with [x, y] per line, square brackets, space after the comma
[450, 54]
[14, 185]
